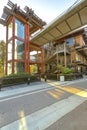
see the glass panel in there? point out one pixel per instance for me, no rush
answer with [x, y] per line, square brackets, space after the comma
[9, 68]
[10, 50]
[19, 67]
[10, 30]
[19, 49]
[35, 56]
[19, 29]
[70, 41]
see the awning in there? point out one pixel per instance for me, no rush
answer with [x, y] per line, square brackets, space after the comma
[70, 21]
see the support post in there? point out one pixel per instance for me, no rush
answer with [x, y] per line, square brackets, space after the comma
[65, 54]
[42, 64]
[13, 43]
[57, 56]
[6, 49]
[27, 49]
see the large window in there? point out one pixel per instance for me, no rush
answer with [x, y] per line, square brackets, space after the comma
[9, 68]
[10, 30]
[19, 49]
[70, 41]
[19, 29]
[19, 67]
[10, 50]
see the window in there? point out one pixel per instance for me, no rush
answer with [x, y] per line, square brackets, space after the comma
[70, 41]
[10, 50]
[19, 49]
[10, 30]
[19, 29]
[18, 67]
[9, 68]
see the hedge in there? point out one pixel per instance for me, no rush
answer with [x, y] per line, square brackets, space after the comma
[68, 77]
[18, 79]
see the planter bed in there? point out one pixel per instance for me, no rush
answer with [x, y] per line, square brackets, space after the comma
[67, 77]
[10, 81]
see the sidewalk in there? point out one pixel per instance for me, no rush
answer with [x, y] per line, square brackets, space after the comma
[67, 114]
[23, 88]
[35, 86]
[74, 120]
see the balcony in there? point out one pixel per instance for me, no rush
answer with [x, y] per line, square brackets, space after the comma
[80, 62]
[61, 49]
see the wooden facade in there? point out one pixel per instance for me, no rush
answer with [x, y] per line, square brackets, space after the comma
[70, 53]
[20, 25]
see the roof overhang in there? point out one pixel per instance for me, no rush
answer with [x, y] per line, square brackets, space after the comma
[27, 16]
[69, 22]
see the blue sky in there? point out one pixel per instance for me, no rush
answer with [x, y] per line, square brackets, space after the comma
[48, 10]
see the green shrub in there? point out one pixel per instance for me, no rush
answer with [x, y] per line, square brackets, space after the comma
[67, 71]
[64, 70]
[20, 78]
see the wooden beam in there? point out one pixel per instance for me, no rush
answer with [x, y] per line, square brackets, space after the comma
[3, 22]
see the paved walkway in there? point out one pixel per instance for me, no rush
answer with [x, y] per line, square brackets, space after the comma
[23, 88]
[63, 111]
[74, 120]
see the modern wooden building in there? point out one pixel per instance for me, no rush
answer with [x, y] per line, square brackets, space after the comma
[20, 25]
[71, 53]
[64, 40]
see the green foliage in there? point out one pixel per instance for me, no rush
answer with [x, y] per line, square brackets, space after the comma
[17, 75]
[20, 78]
[33, 69]
[64, 70]
[2, 55]
[67, 71]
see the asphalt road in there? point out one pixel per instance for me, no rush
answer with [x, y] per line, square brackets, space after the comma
[10, 110]
[77, 118]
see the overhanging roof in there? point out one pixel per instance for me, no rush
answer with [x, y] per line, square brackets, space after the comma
[70, 21]
[26, 16]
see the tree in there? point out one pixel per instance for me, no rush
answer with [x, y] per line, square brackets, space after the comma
[2, 55]
[33, 69]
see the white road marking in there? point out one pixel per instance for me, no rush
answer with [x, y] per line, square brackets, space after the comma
[45, 117]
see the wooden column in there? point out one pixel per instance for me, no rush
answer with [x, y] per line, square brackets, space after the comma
[57, 56]
[65, 54]
[37, 60]
[27, 49]
[42, 64]
[6, 49]
[13, 43]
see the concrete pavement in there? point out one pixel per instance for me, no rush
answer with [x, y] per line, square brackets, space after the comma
[51, 116]
[23, 88]
[45, 117]
[74, 120]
